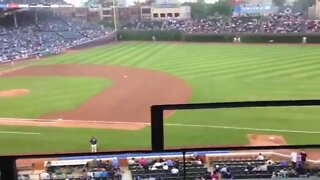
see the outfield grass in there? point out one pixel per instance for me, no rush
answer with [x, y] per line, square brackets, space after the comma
[216, 72]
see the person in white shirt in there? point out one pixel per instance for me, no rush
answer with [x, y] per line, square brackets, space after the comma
[165, 166]
[224, 169]
[293, 156]
[131, 161]
[174, 170]
[90, 174]
[199, 161]
[153, 168]
[45, 176]
[283, 172]
[157, 164]
[269, 162]
[260, 157]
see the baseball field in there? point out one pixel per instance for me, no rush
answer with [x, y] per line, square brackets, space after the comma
[58, 103]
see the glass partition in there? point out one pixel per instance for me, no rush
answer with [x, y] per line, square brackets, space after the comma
[267, 126]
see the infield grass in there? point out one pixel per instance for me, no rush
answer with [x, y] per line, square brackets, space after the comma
[216, 72]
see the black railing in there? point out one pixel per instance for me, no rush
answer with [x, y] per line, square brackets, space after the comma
[157, 127]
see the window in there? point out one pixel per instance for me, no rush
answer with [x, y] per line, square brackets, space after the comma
[106, 12]
[146, 11]
[176, 14]
[155, 15]
[169, 15]
[163, 15]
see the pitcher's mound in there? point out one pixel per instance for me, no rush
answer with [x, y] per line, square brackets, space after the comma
[14, 92]
[266, 140]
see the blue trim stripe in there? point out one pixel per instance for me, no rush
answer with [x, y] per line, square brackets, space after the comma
[124, 156]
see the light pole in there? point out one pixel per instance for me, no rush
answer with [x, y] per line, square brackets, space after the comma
[115, 5]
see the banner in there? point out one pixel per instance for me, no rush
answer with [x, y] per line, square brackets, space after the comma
[253, 9]
[12, 6]
[23, 5]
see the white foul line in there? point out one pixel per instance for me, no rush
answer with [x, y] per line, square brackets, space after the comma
[26, 120]
[166, 124]
[24, 133]
[243, 128]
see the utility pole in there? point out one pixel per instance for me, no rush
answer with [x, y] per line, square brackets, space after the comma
[115, 13]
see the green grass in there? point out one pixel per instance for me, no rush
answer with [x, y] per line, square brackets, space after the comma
[47, 94]
[216, 72]
[67, 139]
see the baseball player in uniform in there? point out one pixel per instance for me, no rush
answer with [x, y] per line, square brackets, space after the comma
[93, 143]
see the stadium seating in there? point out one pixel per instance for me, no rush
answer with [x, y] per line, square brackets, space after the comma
[137, 168]
[47, 36]
[239, 169]
[280, 23]
[193, 171]
[84, 170]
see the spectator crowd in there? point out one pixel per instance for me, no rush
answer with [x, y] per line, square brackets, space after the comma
[280, 23]
[95, 169]
[46, 36]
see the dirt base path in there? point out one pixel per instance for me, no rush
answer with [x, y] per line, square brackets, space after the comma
[14, 92]
[128, 99]
[266, 140]
[276, 140]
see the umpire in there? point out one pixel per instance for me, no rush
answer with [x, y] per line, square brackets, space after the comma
[93, 142]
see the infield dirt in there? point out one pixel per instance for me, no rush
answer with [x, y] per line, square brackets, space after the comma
[128, 99]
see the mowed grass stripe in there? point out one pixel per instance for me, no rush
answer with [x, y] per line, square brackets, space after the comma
[288, 72]
[233, 61]
[145, 55]
[131, 48]
[86, 57]
[90, 57]
[264, 67]
[278, 70]
[99, 56]
[218, 67]
[125, 58]
[224, 54]
[312, 74]
[191, 61]
[113, 59]
[188, 67]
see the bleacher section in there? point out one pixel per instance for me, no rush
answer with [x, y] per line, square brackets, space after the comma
[280, 23]
[199, 165]
[70, 35]
[239, 168]
[193, 171]
[49, 35]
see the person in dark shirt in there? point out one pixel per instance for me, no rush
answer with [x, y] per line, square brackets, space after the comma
[101, 164]
[108, 166]
[249, 167]
[176, 163]
[303, 157]
[12, 60]
[93, 143]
